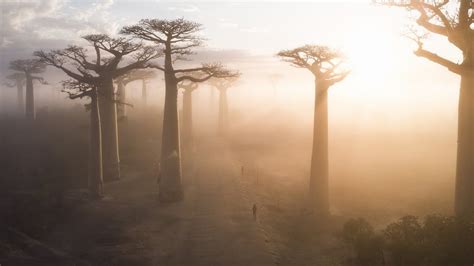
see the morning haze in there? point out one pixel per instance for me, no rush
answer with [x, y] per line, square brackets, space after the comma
[237, 133]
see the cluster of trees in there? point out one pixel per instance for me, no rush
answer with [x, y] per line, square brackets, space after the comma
[438, 240]
[133, 56]
[25, 71]
[93, 70]
[451, 19]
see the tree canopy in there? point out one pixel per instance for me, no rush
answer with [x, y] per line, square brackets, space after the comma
[324, 62]
[109, 53]
[453, 19]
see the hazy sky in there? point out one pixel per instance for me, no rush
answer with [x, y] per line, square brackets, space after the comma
[387, 79]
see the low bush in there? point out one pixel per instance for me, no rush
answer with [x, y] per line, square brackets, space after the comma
[438, 240]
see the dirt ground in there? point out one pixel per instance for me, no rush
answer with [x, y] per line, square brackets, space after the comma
[214, 225]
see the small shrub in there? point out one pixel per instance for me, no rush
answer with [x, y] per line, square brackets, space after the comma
[367, 245]
[439, 240]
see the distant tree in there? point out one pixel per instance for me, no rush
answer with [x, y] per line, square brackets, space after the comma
[325, 65]
[187, 133]
[274, 79]
[124, 80]
[29, 67]
[177, 38]
[454, 20]
[76, 90]
[18, 82]
[222, 85]
[100, 71]
[145, 80]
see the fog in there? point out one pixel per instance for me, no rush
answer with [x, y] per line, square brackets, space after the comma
[249, 133]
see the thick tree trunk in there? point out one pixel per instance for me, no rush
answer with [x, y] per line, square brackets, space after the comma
[121, 108]
[222, 122]
[144, 91]
[95, 149]
[318, 183]
[20, 96]
[108, 118]
[187, 132]
[464, 194]
[170, 181]
[30, 99]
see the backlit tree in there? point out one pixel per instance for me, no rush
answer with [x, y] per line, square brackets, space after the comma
[325, 65]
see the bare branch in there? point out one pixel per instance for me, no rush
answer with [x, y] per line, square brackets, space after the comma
[453, 67]
[322, 61]
[208, 71]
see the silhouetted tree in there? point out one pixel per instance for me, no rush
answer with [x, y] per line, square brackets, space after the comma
[76, 90]
[222, 85]
[29, 67]
[187, 132]
[124, 80]
[454, 20]
[274, 78]
[18, 82]
[177, 38]
[324, 63]
[99, 71]
[145, 80]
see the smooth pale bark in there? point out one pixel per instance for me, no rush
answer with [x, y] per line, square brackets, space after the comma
[222, 121]
[95, 180]
[121, 108]
[144, 91]
[318, 184]
[187, 131]
[464, 193]
[20, 96]
[30, 98]
[170, 183]
[108, 117]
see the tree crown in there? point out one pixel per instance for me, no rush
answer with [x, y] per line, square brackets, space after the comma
[136, 74]
[28, 66]
[324, 62]
[453, 19]
[78, 63]
[178, 36]
[224, 83]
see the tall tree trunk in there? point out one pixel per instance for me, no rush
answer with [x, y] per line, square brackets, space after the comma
[223, 113]
[95, 149]
[30, 98]
[20, 96]
[108, 118]
[170, 181]
[144, 91]
[121, 108]
[464, 191]
[187, 132]
[318, 183]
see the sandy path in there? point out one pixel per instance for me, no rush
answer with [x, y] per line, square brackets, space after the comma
[222, 231]
[212, 226]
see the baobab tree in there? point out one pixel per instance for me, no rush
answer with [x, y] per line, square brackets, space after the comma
[124, 80]
[325, 65]
[18, 80]
[454, 20]
[29, 67]
[222, 85]
[177, 38]
[145, 80]
[100, 70]
[76, 90]
[274, 78]
[187, 133]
